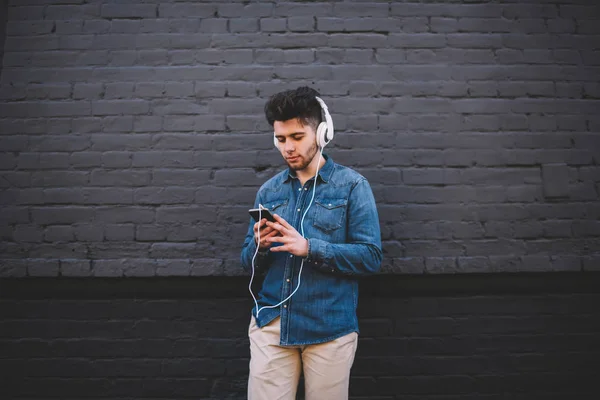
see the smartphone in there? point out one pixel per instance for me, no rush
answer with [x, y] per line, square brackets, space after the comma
[264, 213]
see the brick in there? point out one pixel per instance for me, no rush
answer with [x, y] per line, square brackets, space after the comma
[75, 268]
[273, 25]
[96, 26]
[61, 215]
[120, 107]
[59, 233]
[41, 91]
[119, 232]
[42, 268]
[150, 233]
[170, 195]
[529, 10]
[363, 40]
[298, 56]
[194, 123]
[118, 26]
[183, 141]
[149, 89]
[129, 11]
[61, 195]
[174, 214]
[269, 56]
[443, 25]
[28, 233]
[418, 40]
[25, 13]
[361, 10]
[215, 25]
[119, 142]
[116, 159]
[556, 180]
[119, 178]
[330, 24]
[301, 24]
[181, 177]
[125, 214]
[152, 57]
[87, 90]
[180, 57]
[247, 10]
[241, 89]
[243, 25]
[176, 159]
[59, 178]
[389, 56]
[591, 263]
[485, 25]
[180, 10]
[302, 9]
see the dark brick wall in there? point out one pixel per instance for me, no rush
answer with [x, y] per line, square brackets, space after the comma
[3, 15]
[133, 139]
[489, 336]
[132, 142]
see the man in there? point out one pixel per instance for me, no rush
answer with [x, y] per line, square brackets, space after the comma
[322, 239]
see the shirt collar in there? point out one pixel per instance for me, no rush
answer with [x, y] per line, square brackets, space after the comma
[324, 173]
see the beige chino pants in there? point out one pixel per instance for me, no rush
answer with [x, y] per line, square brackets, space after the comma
[275, 370]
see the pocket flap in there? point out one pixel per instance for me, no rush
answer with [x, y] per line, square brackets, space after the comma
[275, 204]
[330, 204]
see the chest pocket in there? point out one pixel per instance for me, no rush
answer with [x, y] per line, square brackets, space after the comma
[276, 206]
[330, 214]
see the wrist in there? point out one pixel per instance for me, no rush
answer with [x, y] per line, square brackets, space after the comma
[307, 254]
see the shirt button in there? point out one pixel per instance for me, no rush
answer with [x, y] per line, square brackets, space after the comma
[298, 210]
[285, 306]
[291, 255]
[305, 188]
[287, 280]
[299, 189]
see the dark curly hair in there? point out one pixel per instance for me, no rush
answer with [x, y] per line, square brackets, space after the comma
[297, 103]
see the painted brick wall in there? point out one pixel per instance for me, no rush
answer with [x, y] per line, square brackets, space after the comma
[133, 141]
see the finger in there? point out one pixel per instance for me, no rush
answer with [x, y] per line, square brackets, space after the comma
[279, 239]
[272, 233]
[282, 221]
[262, 225]
[279, 248]
[277, 226]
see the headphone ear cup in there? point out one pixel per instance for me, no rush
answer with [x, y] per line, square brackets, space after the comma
[321, 133]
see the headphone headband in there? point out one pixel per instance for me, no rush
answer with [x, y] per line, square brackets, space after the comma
[326, 134]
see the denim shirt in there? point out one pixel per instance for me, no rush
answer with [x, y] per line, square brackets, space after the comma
[344, 240]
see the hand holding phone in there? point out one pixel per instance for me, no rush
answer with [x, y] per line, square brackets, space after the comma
[265, 232]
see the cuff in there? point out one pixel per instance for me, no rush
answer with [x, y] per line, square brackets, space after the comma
[317, 255]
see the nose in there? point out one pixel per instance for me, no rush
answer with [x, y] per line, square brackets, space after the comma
[288, 146]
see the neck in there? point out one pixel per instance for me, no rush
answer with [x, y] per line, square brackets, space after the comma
[310, 171]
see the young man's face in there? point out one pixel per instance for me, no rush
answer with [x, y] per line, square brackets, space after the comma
[296, 142]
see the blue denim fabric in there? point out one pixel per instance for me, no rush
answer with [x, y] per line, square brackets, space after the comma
[342, 228]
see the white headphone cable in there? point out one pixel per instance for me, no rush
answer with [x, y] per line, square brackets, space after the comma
[260, 207]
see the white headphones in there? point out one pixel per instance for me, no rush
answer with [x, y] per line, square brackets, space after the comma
[324, 130]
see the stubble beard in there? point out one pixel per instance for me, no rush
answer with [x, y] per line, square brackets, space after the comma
[312, 152]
